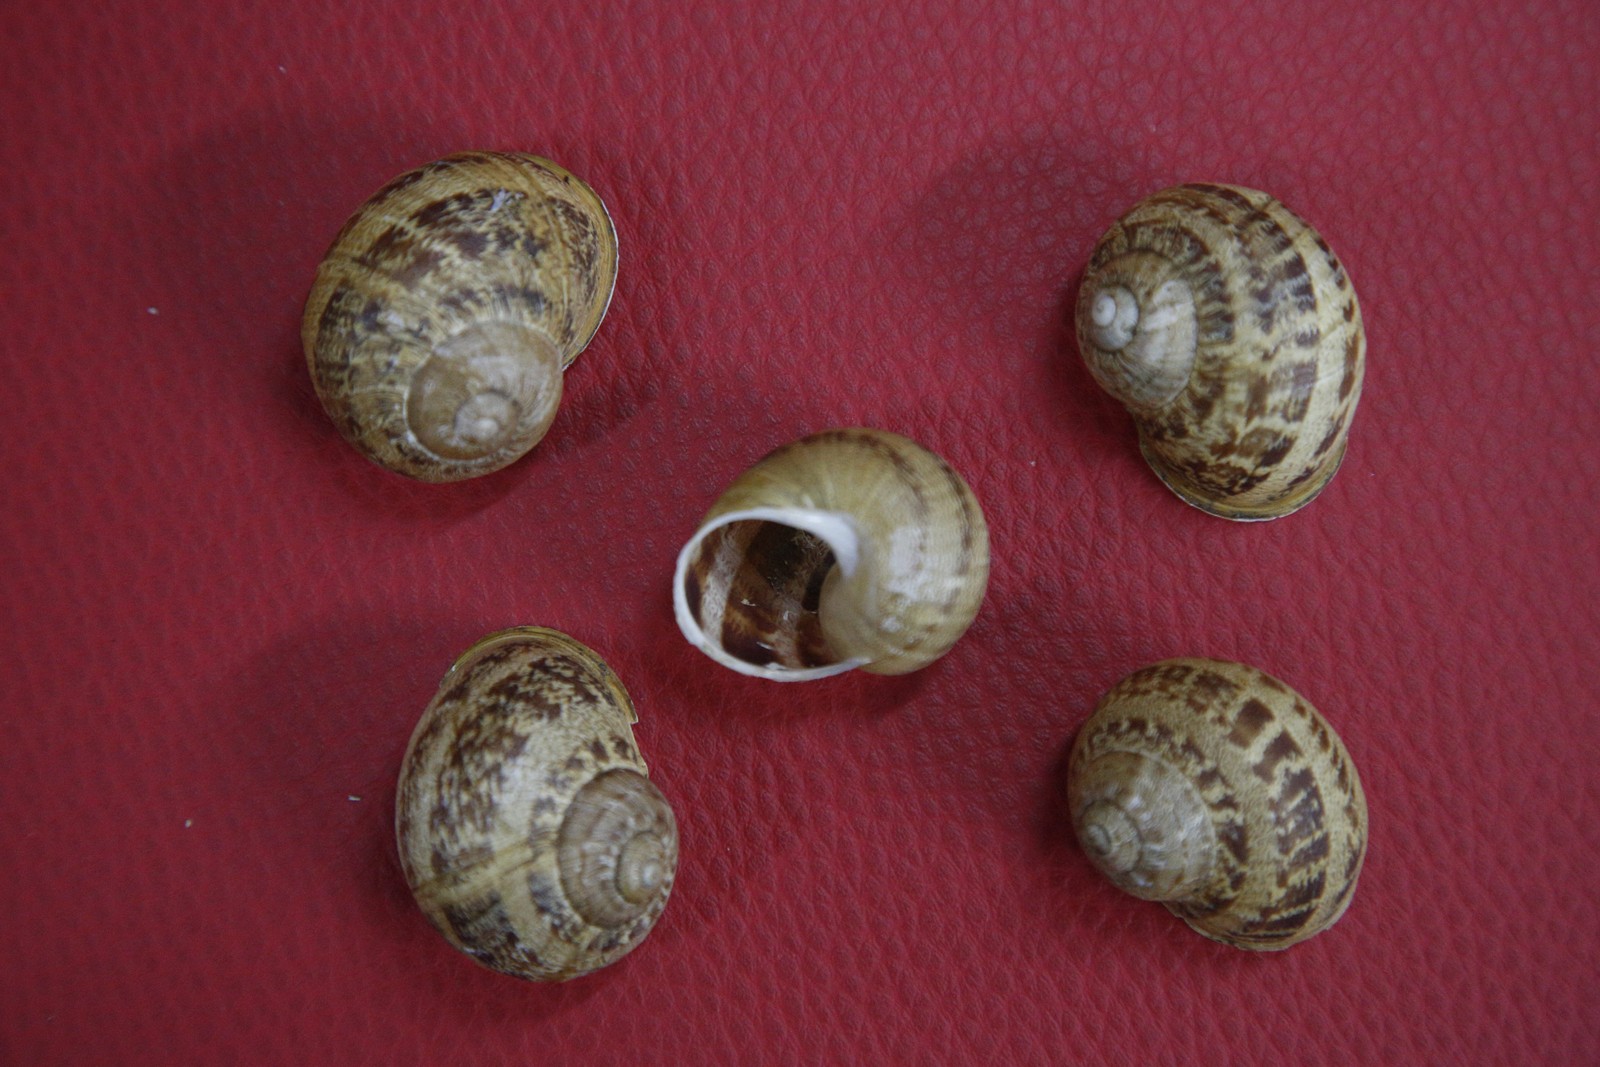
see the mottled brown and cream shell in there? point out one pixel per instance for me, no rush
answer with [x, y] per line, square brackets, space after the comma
[1218, 790]
[528, 832]
[848, 548]
[443, 316]
[1227, 327]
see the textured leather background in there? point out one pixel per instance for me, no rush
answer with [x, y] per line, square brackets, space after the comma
[220, 623]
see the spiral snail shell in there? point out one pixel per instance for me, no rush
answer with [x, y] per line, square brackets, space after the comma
[528, 832]
[1228, 329]
[443, 316]
[1218, 790]
[847, 548]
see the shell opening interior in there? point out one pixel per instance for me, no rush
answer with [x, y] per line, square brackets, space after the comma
[749, 584]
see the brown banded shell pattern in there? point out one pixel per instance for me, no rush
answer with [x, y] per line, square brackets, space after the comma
[527, 830]
[850, 547]
[499, 263]
[1231, 332]
[1220, 791]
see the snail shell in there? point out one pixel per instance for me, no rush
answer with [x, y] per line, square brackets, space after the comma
[1230, 332]
[1218, 790]
[848, 548]
[443, 316]
[528, 832]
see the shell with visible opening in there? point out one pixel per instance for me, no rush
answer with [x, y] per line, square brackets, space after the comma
[847, 548]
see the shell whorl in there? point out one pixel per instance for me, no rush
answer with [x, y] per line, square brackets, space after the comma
[1145, 826]
[448, 306]
[528, 830]
[1219, 791]
[1230, 331]
[1142, 329]
[847, 548]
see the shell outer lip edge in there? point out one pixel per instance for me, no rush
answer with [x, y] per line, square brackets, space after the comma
[1277, 509]
[513, 635]
[586, 192]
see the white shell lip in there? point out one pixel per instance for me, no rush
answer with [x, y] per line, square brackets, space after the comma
[834, 529]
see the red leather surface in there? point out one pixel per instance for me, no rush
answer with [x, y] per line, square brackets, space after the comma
[221, 623]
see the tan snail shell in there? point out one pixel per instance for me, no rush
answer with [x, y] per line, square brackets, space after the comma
[1218, 790]
[528, 832]
[1227, 327]
[443, 316]
[847, 548]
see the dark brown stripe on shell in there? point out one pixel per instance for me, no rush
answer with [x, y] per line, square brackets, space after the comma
[1274, 453]
[485, 932]
[551, 901]
[1299, 818]
[1279, 749]
[1328, 439]
[1208, 689]
[1301, 379]
[1301, 899]
[1339, 898]
[1253, 717]
[1233, 838]
[1352, 362]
